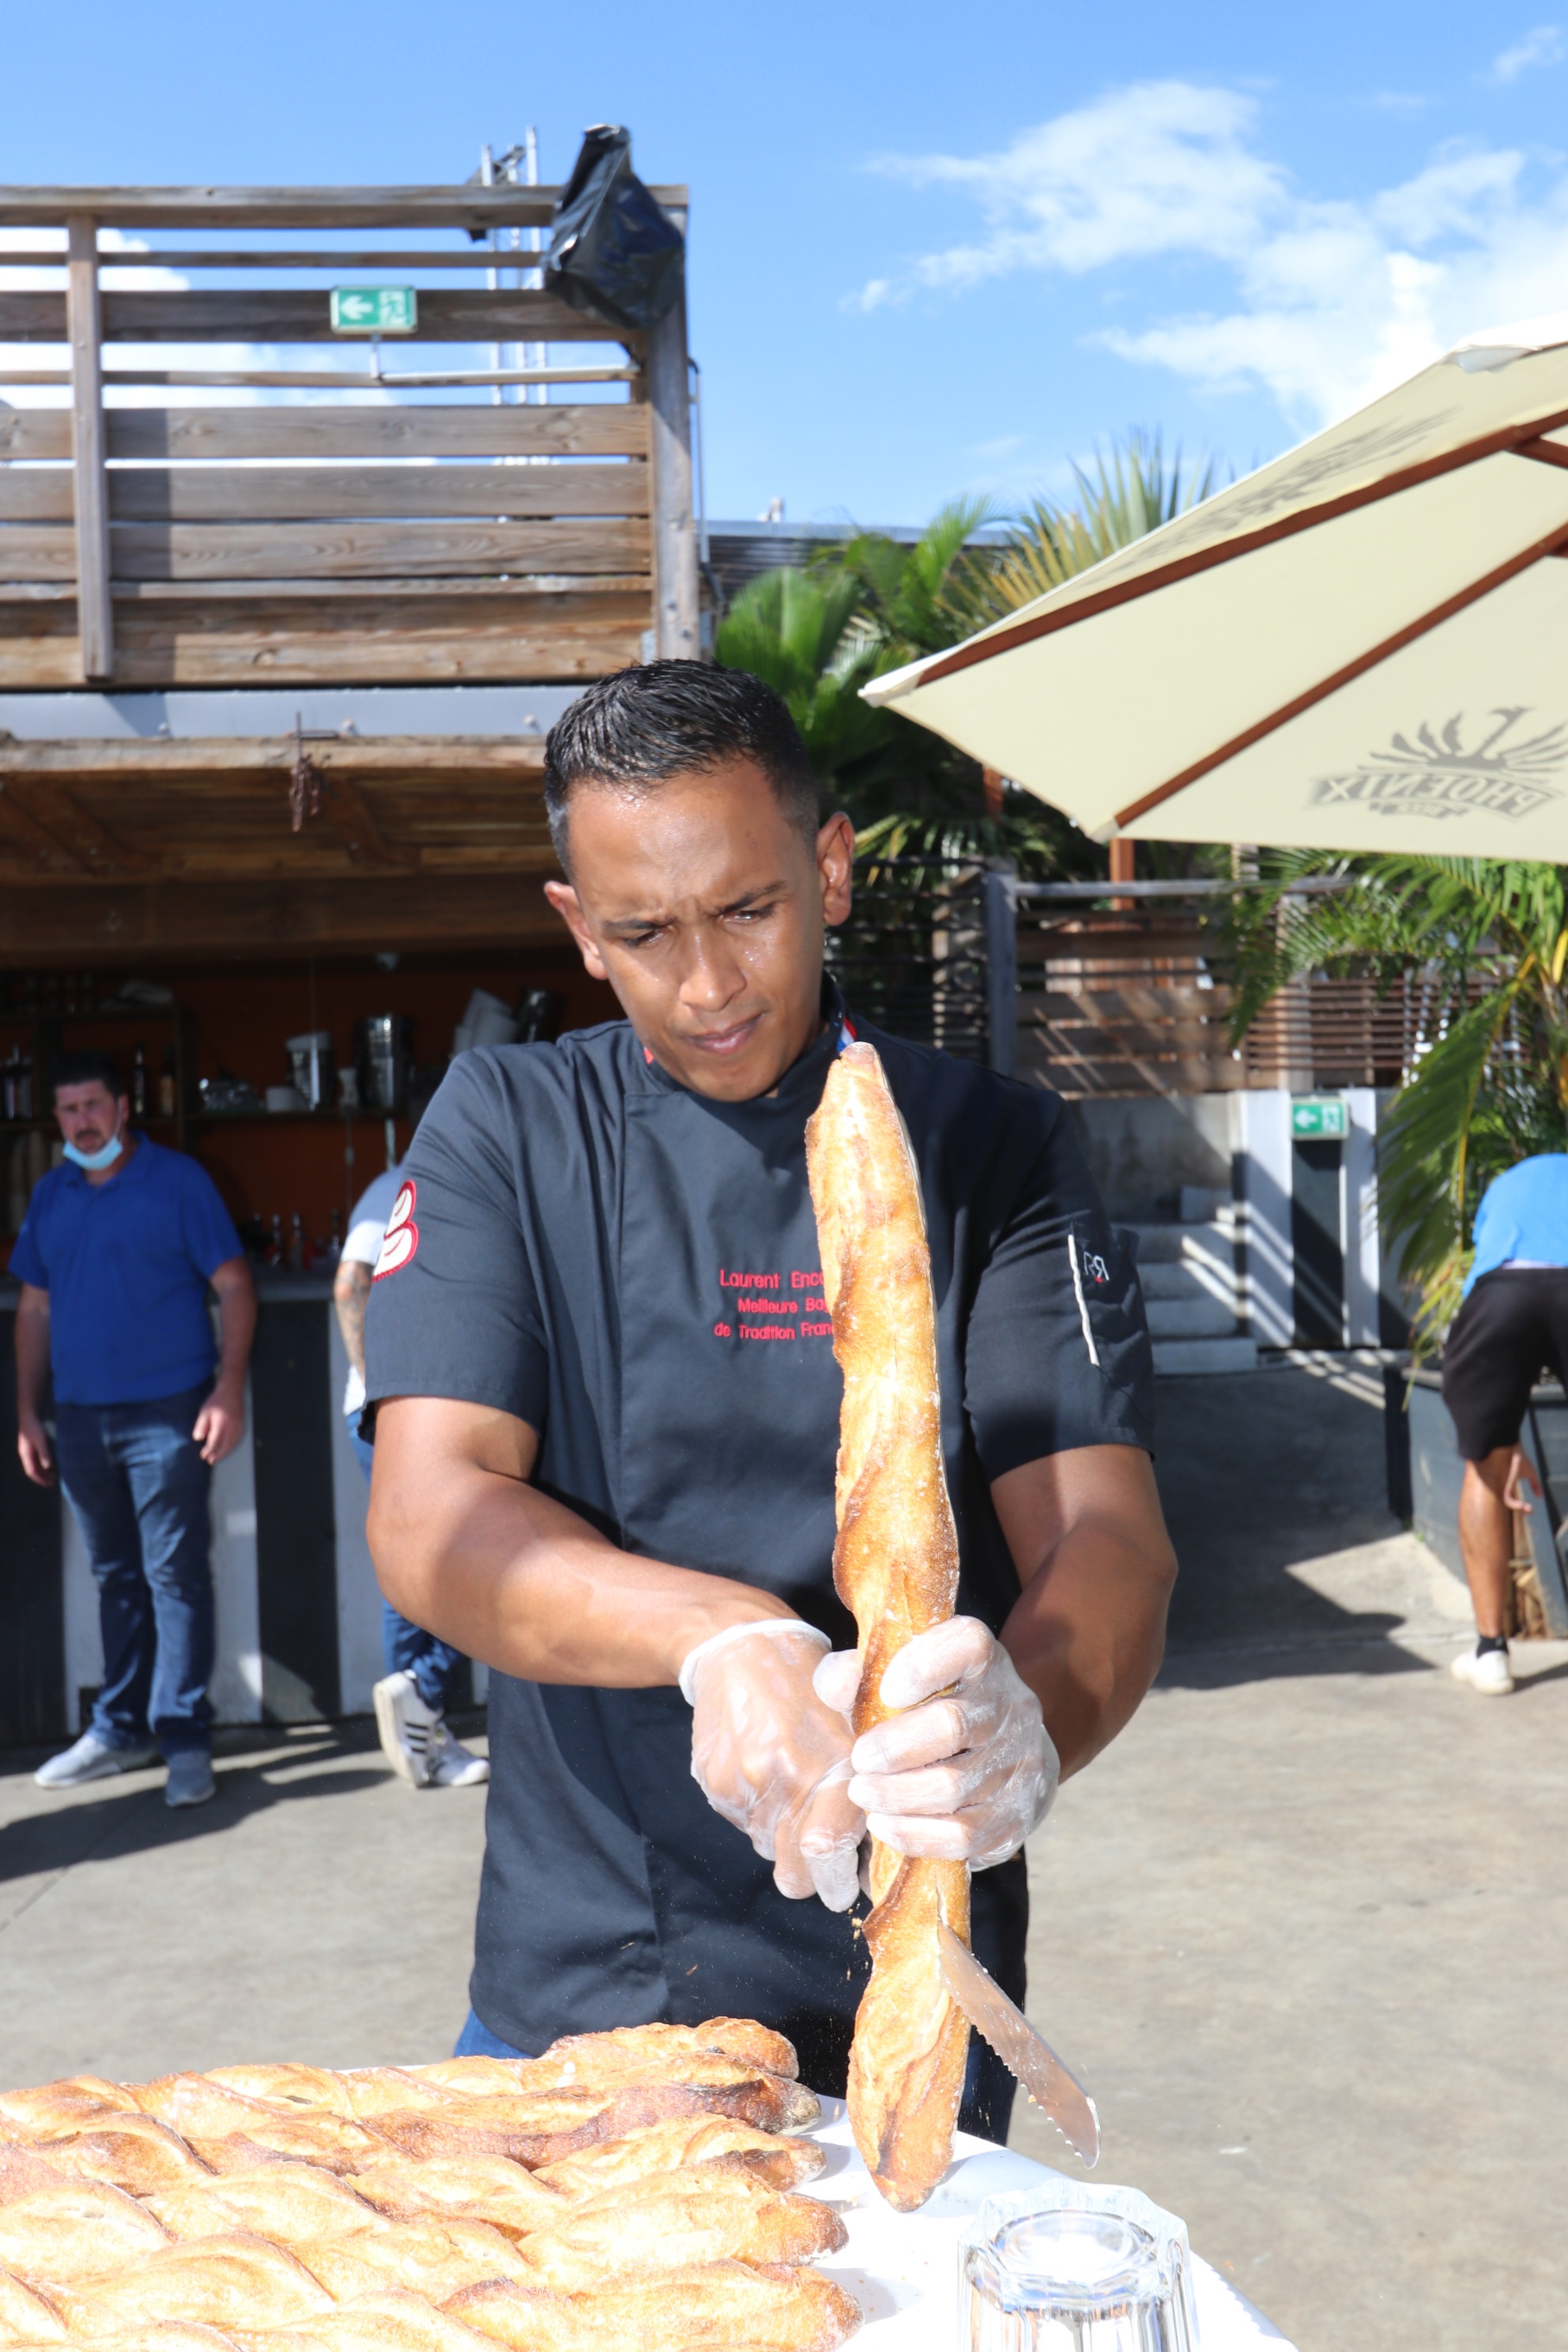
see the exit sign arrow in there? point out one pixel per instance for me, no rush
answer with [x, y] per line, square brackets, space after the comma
[374, 311]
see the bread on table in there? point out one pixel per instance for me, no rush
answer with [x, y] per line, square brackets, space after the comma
[895, 1565]
[308, 2211]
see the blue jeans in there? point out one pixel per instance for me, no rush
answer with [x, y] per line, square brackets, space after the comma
[136, 1481]
[409, 1649]
[476, 2041]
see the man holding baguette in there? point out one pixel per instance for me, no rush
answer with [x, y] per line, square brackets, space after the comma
[605, 1413]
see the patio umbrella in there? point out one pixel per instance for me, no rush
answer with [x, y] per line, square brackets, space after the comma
[1361, 646]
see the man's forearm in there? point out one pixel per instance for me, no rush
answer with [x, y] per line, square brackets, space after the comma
[471, 1551]
[32, 1361]
[1089, 1631]
[237, 1329]
[350, 1296]
[1087, 1637]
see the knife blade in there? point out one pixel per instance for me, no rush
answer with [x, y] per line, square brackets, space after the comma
[1052, 2087]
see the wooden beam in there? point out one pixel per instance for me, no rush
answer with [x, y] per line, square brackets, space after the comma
[114, 923]
[52, 810]
[676, 609]
[346, 810]
[95, 614]
[31, 843]
[165, 759]
[503, 205]
[598, 428]
[270, 314]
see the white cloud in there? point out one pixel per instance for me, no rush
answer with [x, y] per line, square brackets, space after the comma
[1328, 302]
[1541, 46]
[1156, 168]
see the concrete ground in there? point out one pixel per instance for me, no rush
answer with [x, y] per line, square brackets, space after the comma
[1298, 1929]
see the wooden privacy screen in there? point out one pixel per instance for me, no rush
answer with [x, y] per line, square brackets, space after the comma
[1140, 1004]
[449, 519]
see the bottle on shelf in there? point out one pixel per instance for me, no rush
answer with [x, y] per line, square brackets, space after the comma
[166, 1085]
[296, 1242]
[10, 1078]
[139, 1084]
[25, 1087]
[275, 1245]
[334, 1248]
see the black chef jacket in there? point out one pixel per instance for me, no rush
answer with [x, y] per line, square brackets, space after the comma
[633, 1270]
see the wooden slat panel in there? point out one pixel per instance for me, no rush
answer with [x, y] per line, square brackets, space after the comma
[267, 314]
[517, 637]
[601, 428]
[373, 550]
[279, 493]
[36, 494]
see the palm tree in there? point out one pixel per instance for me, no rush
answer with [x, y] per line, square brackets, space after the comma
[870, 604]
[1127, 495]
[1483, 945]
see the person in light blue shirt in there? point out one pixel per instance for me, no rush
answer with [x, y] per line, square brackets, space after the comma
[115, 1257]
[1512, 1325]
[422, 1672]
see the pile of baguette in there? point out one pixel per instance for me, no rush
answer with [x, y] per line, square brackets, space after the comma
[634, 2188]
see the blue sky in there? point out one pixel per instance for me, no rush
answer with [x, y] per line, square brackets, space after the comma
[934, 250]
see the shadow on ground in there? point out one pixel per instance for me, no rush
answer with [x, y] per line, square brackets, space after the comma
[1258, 1471]
[255, 1772]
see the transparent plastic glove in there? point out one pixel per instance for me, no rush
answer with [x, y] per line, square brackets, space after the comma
[963, 1777]
[772, 1758]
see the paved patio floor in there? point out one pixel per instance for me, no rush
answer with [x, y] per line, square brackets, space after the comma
[1300, 1929]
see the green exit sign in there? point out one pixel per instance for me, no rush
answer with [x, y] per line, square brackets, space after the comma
[1323, 1116]
[374, 311]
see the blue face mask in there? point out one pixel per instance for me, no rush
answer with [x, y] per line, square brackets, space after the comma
[103, 1157]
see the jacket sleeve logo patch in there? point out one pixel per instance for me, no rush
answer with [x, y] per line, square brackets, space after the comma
[401, 1238]
[1094, 1265]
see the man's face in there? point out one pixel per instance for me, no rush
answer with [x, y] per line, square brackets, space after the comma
[703, 907]
[89, 1113]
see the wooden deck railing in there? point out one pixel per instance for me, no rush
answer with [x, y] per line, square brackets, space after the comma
[444, 527]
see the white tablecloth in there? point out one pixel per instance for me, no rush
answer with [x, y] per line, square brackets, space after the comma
[902, 2268]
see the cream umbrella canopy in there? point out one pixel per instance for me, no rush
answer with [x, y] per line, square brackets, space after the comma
[1361, 646]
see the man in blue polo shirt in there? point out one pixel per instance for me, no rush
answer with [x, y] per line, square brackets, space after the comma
[115, 1257]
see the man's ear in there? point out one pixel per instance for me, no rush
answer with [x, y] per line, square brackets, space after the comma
[564, 900]
[835, 865]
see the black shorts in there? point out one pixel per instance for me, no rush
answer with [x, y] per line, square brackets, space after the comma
[1513, 1325]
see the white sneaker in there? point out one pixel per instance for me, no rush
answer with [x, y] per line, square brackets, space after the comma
[190, 1781]
[1486, 1671]
[404, 1724]
[453, 1766]
[93, 1759]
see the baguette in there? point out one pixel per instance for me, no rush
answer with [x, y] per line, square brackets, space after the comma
[895, 1565]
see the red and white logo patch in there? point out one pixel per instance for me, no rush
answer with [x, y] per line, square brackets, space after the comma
[401, 1238]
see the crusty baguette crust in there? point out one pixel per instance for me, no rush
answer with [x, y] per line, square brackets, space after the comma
[896, 1566]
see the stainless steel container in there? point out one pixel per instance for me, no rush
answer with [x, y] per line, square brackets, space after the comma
[384, 1057]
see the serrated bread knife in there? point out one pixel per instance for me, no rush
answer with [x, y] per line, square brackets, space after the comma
[1056, 2091]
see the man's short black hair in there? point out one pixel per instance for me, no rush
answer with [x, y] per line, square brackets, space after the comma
[81, 1069]
[639, 727]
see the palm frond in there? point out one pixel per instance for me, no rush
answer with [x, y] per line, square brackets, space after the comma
[1130, 492]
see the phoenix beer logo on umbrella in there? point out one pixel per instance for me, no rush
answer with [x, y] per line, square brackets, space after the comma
[1436, 776]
